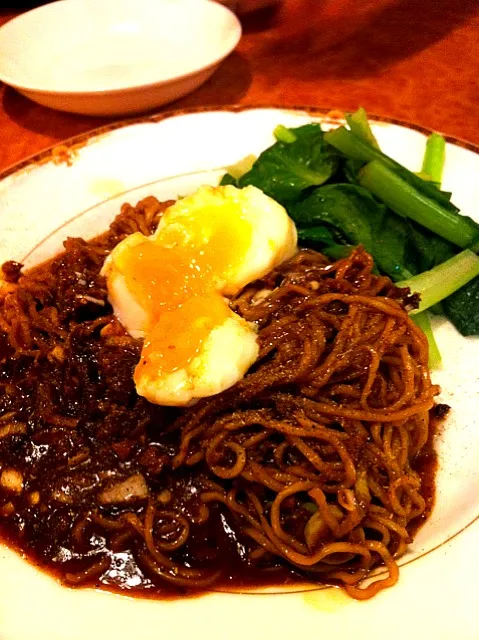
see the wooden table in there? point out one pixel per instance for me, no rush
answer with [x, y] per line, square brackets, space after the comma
[411, 60]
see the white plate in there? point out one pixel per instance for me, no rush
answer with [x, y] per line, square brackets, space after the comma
[171, 155]
[110, 57]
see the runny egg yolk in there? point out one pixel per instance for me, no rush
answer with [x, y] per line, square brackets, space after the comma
[177, 279]
[179, 334]
[171, 289]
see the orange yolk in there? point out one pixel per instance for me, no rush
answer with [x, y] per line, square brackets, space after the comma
[177, 278]
[178, 335]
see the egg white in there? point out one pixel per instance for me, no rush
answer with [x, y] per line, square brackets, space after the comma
[227, 353]
[126, 309]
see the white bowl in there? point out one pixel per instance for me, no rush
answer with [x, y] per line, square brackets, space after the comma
[111, 57]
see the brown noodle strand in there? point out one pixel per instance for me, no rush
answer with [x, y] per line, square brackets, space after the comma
[96, 569]
[364, 593]
[191, 582]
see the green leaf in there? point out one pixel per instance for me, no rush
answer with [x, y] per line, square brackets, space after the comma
[315, 237]
[338, 251]
[228, 179]
[350, 169]
[462, 308]
[426, 249]
[355, 214]
[391, 247]
[285, 170]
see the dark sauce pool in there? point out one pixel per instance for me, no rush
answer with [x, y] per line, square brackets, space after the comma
[125, 575]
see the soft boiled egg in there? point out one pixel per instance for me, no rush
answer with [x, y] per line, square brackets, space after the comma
[172, 288]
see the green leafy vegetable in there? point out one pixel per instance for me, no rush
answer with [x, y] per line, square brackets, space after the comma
[426, 249]
[462, 308]
[228, 179]
[287, 168]
[321, 237]
[350, 169]
[342, 190]
[356, 216]
[338, 251]
[314, 236]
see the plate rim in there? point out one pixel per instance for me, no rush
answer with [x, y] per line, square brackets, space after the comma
[336, 115]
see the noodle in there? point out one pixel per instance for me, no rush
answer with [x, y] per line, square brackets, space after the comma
[307, 465]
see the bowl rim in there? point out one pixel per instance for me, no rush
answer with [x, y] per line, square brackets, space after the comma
[31, 87]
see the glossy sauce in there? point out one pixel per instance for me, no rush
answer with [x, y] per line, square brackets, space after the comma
[219, 544]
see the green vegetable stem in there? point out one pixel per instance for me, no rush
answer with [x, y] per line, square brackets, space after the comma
[359, 125]
[283, 134]
[443, 280]
[423, 321]
[353, 147]
[434, 157]
[407, 201]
